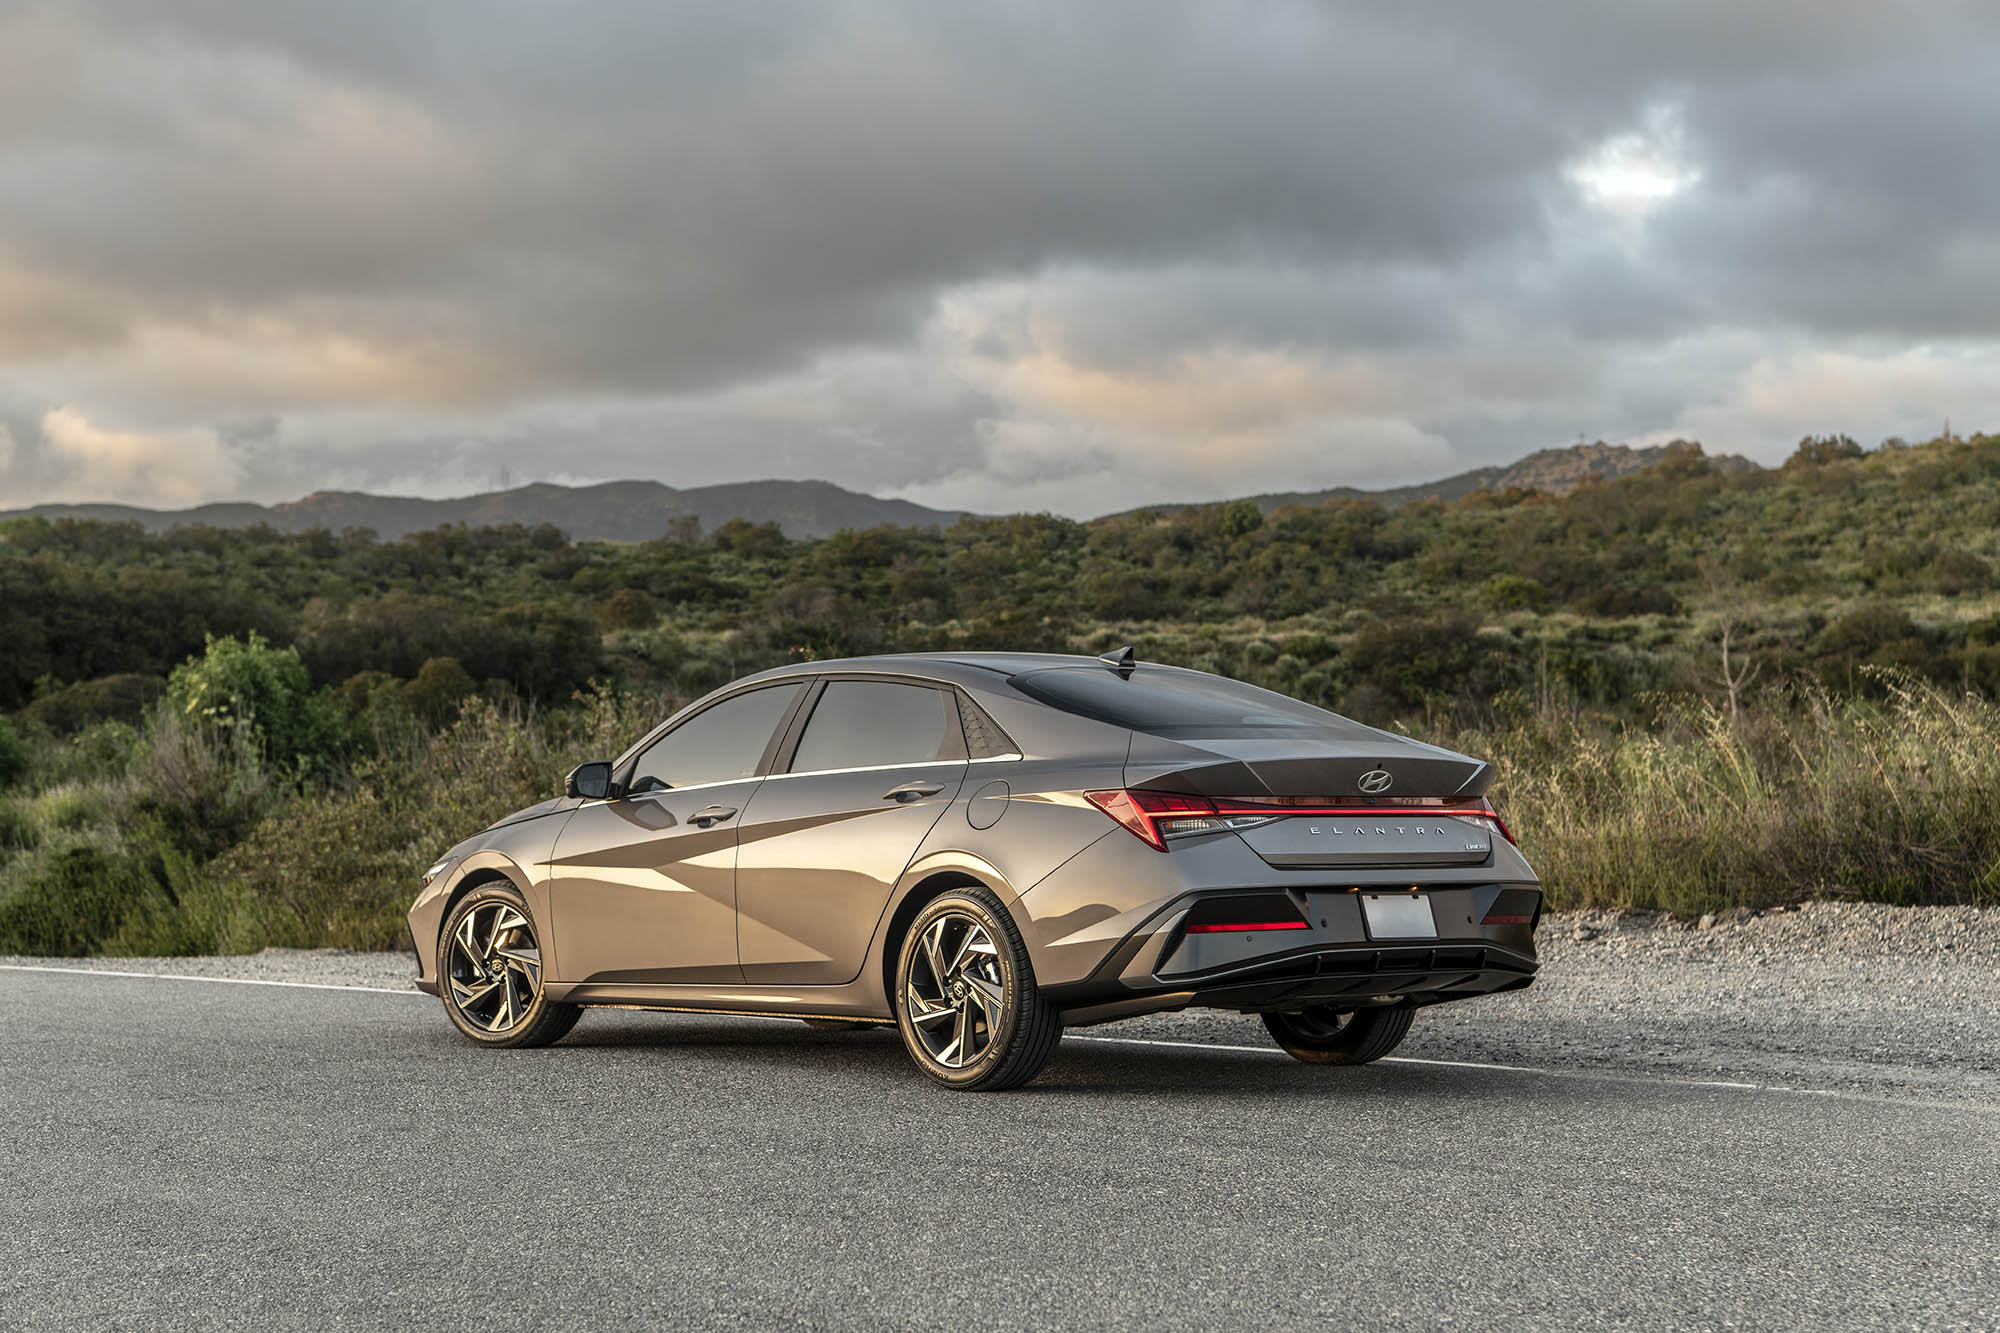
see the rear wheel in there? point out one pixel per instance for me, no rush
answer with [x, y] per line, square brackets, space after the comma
[966, 1000]
[1326, 1036]
[491, 966]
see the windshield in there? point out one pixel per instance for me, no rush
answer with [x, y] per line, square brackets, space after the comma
[1169, 701]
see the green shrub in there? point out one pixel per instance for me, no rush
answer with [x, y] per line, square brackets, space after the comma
[15, 758]
[199, 789]
[442, 686]
[74, 903]
[120, 698]
[19, 830]
[66, 809]
[254, 687]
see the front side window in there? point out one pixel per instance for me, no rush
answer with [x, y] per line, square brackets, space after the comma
[872, 724]
[717, 744]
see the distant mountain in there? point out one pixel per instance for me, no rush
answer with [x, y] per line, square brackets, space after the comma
[643, 510]
[1554, 470]
[612, 511]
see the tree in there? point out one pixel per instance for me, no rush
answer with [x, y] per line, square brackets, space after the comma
[628, 608]
[1819, 450]
[441, 688]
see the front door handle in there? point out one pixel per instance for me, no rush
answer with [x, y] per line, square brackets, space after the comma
[912, 791]
[711, 814]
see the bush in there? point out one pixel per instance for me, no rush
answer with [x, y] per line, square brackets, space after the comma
[121, 698]
[628, 608]
[74, 903]
[198, 789]
[15, 759]
[441, 687]
[19, 830]
[252, 686]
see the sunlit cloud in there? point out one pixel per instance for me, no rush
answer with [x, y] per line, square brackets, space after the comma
[1632, 174]
[175, 467]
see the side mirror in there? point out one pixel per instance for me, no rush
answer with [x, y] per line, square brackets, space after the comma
[591, 781]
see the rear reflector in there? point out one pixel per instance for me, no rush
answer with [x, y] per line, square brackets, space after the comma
[1510, 919]
[1227, 927]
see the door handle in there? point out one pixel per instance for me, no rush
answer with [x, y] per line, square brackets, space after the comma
[912, 791]
[711, 814]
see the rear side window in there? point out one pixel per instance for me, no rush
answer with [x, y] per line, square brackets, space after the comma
[1166, 701]
[717, 744]
[867, 724]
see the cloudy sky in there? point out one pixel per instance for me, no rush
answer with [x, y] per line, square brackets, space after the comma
[1066, 256]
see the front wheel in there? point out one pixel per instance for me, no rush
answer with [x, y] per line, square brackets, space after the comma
[491, 965]
[1324, 1036]
[966, 1000]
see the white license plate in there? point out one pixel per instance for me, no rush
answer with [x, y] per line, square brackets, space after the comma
[1399, 916]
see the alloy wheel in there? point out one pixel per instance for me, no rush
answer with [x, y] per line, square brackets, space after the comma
[956, 992]
[496, 967]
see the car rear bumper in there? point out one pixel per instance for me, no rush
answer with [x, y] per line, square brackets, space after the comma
[1343, 977]
[1109, 930]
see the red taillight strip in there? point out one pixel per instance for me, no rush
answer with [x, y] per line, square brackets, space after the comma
[1228, 927]
[1141, 810]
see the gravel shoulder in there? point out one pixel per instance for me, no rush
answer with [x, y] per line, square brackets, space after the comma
[1837, 997]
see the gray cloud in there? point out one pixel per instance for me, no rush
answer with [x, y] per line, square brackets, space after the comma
[988, 255]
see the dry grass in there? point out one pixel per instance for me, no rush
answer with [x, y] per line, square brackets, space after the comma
[1890, 801]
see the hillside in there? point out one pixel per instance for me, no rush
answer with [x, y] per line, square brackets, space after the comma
[610, 511]
[1554, 471]
[624, 511]
[214, 740]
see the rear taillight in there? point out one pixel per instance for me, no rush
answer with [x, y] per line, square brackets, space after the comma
[1227, 927]
[1156, 816]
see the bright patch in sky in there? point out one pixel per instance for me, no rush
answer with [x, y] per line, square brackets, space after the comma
[1633, 174]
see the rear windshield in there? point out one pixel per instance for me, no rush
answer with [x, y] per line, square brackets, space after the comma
[1167, 701]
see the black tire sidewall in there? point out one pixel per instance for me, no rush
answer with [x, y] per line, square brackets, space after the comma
[1365, 1038]
[530, 1029]
[1015, 975]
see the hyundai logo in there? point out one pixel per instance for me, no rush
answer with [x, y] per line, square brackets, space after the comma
[1376, 781]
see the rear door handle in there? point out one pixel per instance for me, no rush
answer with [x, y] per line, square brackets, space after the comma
[711, 814]
[912, 791]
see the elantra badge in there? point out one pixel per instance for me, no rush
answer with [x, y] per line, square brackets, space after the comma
[1376, 781]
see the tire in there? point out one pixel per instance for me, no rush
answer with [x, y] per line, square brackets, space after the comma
[490, 976]
[1325, 1036]
[966, 1001]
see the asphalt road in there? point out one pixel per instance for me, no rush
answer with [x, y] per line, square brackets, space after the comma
[198, 1154]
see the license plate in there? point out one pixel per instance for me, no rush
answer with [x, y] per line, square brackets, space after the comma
[1399, 916]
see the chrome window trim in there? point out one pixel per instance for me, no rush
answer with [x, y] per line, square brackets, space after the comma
[870, 768]
[887, 768]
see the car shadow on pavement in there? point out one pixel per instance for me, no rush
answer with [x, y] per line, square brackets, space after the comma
[1087, 1067]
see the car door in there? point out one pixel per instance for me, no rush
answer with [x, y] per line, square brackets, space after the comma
[642, 887]
[824, 841]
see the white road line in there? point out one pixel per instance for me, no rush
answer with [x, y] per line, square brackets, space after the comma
[1588, 1075]
[184, 976]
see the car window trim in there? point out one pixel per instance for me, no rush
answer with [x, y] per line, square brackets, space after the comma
[954, 729]
[673, 724]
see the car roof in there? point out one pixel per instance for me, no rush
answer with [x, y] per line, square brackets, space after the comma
[937, 666]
